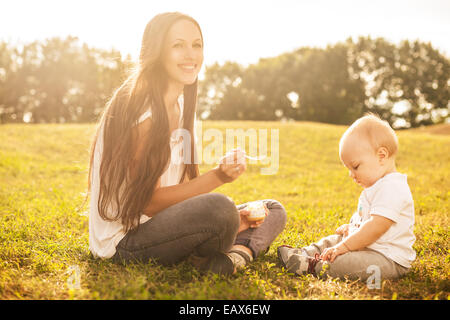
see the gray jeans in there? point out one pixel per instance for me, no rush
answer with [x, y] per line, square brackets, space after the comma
[201, 225]
[354, 265]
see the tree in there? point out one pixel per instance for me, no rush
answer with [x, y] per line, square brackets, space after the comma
[263, 91]
[11, 83]
[414, 74]
[335, 85]
[327, 92]
[57, 80]
[218, 82]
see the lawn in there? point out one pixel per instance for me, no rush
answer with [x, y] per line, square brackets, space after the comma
[44, 249]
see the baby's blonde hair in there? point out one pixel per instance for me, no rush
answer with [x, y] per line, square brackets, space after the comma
[377, 132]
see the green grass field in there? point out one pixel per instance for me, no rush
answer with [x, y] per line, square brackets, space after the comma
[44, 221]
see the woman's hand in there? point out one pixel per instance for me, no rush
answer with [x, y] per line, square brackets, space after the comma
[343, 230]
[231, 166]
[245, 223]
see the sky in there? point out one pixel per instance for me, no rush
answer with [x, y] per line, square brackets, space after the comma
[234, 30]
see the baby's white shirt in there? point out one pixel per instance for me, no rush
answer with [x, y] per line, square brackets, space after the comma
[389, 197]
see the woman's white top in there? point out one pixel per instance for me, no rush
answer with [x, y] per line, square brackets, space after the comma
[105, 235]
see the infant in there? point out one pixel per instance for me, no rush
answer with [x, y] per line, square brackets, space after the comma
[380, 233]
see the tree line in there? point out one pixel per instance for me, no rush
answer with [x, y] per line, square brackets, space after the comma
[407, 84]
[57, 80]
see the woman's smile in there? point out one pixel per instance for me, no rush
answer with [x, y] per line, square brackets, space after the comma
[188, 67]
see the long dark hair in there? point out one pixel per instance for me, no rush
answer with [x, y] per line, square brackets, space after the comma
[143, 89]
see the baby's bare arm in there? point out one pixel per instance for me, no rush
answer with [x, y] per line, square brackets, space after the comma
[369, 232]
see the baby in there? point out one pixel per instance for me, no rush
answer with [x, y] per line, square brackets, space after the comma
[380, 233]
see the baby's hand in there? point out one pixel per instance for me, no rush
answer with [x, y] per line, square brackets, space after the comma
[343, 230]
[333, 252]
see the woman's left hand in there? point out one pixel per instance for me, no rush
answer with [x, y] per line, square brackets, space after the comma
[245, 223]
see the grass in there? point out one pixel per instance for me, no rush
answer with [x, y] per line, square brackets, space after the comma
[44, 221]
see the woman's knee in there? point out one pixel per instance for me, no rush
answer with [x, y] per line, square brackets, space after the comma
[277, 211]
[221, 217]
[222, 211]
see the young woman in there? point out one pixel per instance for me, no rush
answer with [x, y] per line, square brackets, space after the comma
[145, 202]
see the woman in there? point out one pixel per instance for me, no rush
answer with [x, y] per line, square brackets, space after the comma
[145, 203]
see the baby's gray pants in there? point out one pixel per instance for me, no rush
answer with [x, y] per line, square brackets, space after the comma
[354, 265]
